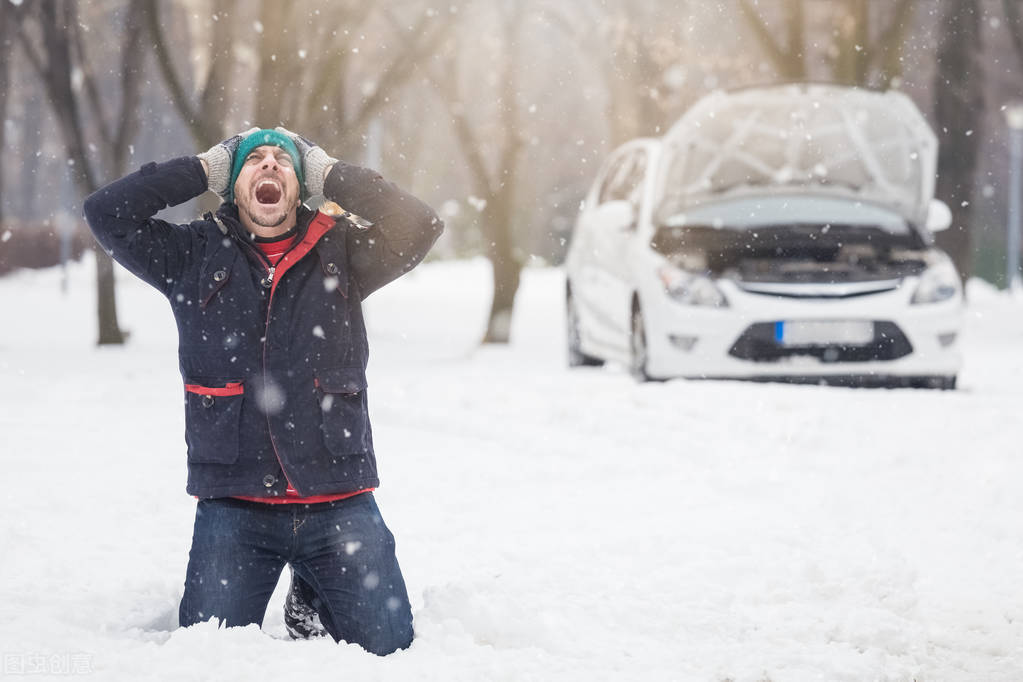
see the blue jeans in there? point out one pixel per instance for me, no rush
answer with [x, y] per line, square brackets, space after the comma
[341, 549]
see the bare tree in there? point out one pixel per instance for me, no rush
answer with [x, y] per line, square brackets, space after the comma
[337, 102]
[863, 50]
[6, 21]
[958, 111]
[635, 43]
[10, 19]
[494, 176]
[56, 49]
[205, 113]
[1014, 23]
[304, 69]
[788, 55]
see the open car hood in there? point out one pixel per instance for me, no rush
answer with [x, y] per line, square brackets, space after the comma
[812, 139]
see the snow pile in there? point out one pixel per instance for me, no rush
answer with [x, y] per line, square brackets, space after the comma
[550, 524]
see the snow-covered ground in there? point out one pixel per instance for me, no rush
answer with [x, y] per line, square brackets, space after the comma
[552, 525]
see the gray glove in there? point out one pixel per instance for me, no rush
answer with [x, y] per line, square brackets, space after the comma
[219, 159]
[315, 162]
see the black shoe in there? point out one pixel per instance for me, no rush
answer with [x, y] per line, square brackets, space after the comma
[300, 615]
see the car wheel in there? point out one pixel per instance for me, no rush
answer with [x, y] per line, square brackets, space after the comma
[638, 346]
[940, 383]
[576, 358]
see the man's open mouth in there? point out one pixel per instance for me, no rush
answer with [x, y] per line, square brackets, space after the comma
[268, 192]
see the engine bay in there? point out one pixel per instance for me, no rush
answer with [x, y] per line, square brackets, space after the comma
[811, 254]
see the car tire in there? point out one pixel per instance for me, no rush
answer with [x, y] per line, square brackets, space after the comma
[937, 383]
[576, 358]
[638, 346]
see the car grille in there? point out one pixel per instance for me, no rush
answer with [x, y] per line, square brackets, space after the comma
[758, 344]
[819, 290]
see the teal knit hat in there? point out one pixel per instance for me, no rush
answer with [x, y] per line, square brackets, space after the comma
[259, 139]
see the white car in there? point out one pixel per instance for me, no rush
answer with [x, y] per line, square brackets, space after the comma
[781, 233]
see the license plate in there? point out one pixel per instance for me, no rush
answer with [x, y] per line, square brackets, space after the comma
[824, 333]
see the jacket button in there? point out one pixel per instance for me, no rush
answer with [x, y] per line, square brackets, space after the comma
[207, 401]
[219, 275]
[332, 268]
[269, 480]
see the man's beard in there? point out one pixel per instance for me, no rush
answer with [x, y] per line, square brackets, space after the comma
[263, 219]
[268, 222]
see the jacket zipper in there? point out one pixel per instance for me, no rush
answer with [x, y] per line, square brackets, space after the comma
[266, 338]
[272, 285]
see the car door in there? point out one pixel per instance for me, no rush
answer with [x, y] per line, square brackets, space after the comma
[605, 286]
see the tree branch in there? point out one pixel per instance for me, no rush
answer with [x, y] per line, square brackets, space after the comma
[512, 143]
[782, 60]
[88, 77]
[34, 59]
[1014, 23]
[213, 103]
[888, 47]
[188, 114]
[398, 71]
[55, 72]
[132, 58]
[447, 88]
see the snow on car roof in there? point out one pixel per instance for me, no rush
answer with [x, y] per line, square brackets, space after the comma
[825, 139]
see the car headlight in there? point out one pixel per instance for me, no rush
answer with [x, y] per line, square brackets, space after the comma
[690, 288]
[939, 282]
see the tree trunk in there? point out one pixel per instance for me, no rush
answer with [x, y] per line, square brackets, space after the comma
[275, 56]
[1014, 23]
[110, 332]
[506, 269]
[500, 220]
[6, 45]
[790, 59]
[958, 109]
[30, 170]
[59, 53]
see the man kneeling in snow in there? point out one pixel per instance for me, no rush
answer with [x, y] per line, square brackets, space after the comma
[267, 296]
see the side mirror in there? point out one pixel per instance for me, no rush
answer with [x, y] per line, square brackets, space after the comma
[616, 215]
[939, 217]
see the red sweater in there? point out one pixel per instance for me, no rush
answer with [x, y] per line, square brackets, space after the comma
[274, 251]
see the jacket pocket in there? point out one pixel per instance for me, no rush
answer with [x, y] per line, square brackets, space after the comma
[212, 422]
[342, 397]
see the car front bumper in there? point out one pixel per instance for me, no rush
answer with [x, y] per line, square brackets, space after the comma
[700, 342]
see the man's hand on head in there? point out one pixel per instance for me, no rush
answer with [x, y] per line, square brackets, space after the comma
[316, 163]
[217, 161]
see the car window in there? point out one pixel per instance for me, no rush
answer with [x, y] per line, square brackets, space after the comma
[610, 179]
[624, 179]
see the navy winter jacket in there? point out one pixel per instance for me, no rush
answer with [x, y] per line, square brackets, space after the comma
[274, 365]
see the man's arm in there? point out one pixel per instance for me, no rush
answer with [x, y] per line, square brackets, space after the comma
[121, 217]
[403, 230]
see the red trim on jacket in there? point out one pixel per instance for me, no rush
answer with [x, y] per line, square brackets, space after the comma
[232, 388]
[318, 227]
[291, 496]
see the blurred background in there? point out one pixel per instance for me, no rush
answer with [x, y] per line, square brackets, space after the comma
[496, 112]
